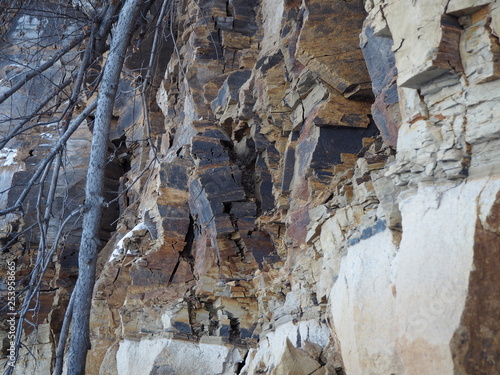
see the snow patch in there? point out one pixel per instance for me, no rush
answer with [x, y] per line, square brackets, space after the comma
[29, 27]
[119, 250]
[8, 154]
[47, 135]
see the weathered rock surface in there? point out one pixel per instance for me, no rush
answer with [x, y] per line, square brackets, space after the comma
[325, 198]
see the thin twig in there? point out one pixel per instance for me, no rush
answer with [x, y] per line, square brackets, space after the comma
[57, 147]
[35, 72]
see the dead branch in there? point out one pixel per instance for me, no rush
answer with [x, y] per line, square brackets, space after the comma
[35, 72]
[57, 147]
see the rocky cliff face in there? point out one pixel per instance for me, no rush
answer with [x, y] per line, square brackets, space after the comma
[320, 194]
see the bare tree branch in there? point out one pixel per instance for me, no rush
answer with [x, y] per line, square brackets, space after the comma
[33, 289]
[35, 72]
[61, 112]
[57, 147]
[63, 336]
[17, 130]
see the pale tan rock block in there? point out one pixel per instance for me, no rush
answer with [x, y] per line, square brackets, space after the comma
[425, 40]
[483, 119]
[495, 18]
[412, 107]
[295, 362]
[480, 53]
[416, 293]
[376, 18]
[272, 13]
[461, 7]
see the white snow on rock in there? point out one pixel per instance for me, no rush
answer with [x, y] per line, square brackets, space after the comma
[119, 250]
[8, 154]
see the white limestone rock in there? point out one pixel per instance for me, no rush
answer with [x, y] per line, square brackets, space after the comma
[396, 310]
[162, 355]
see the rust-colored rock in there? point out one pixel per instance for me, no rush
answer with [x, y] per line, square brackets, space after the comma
[328, 46]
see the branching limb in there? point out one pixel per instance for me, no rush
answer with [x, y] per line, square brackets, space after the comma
[18, 129]
[35, 72]
[147, 77]
[57, 147]
[33, 289]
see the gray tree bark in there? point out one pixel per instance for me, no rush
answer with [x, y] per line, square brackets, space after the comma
[79, 341]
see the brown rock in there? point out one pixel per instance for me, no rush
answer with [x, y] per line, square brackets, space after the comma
[329, 46]
[476, 344]
[339, 111]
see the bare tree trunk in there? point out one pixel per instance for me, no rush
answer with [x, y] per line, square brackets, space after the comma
[79, 341]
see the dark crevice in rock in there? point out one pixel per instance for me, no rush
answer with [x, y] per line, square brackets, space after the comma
[241, 247]
[192, 302]
[234, 331]
[213, 324]
[240, 365]
[186, 253]
[245, 161]
[116, 168]
[171, 278]
[121, 152]
[298, 342]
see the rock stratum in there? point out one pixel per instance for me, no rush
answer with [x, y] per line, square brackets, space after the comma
[320, 194]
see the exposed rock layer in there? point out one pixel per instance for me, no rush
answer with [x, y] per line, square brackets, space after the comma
[277, 232]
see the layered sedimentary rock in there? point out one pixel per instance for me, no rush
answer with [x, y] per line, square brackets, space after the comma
[323, 199]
